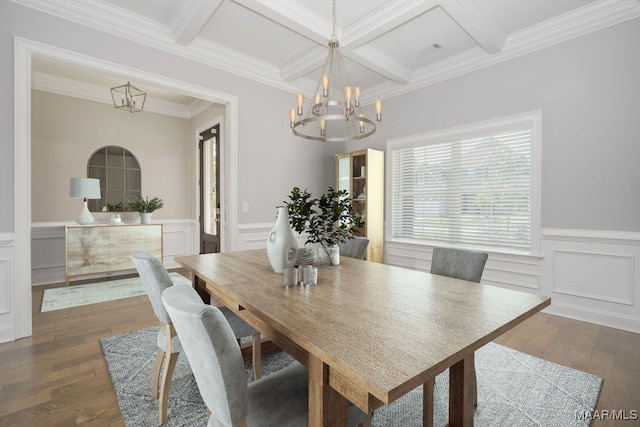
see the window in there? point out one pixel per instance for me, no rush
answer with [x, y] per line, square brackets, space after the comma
[473, 186]
[119, 173]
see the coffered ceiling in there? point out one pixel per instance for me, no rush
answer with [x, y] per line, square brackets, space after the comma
[391, 46]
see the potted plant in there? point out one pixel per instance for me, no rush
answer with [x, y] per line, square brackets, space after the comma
[327, 221]
[145, 207]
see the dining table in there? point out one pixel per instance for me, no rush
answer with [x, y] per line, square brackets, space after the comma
[368, 332]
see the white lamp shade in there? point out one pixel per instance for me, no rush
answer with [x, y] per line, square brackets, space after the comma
[84, 188]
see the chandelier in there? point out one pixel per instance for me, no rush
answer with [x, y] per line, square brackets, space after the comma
[128, 97]
[336, 113]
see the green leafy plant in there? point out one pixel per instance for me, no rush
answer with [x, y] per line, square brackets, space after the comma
[327, 221]
[141, 205]
[118, 207]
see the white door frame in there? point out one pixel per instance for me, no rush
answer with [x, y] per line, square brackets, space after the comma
[24, 50]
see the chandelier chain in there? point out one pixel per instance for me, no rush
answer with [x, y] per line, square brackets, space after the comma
[334, 36]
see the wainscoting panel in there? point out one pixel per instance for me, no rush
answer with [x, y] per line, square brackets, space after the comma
[596, 276]
[590, 275]
[48, 248]
[7, 279]
[593, 276]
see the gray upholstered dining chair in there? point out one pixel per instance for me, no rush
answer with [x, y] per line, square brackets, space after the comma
[155, 280]
[354, 248]
[278, 400]
[460, 264]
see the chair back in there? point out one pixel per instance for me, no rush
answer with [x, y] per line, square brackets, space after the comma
[354, 248]
[458, 263]
[155, 279]
[213, 353]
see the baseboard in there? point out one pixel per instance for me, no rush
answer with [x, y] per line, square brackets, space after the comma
[598, 317]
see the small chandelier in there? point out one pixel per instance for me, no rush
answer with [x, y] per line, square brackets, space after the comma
[128, 97]
[336, 113]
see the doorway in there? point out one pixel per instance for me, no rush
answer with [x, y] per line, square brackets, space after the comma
[20, 283]
[210, 206]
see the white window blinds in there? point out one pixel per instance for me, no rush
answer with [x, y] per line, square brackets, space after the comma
[471, 187]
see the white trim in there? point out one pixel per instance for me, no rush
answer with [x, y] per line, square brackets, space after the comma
[593, 236]
[24, 49]
[7, 239]
[22, 189]
[594, 315]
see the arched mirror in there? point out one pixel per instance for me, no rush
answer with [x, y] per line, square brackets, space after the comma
[119, 173]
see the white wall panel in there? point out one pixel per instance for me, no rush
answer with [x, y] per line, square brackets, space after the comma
[7, 300]
[604, 277]
[593, 276]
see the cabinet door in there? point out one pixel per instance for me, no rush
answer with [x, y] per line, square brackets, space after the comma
[119, 247]
[153, 240]
[100, 249]
[78, 251]
[136, 240]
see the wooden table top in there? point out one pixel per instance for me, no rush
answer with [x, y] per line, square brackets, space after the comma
[381, 329]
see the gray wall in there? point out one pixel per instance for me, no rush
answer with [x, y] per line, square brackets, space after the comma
[588, 90]
[66, 131]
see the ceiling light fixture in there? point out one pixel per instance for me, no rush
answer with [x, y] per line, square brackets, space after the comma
[336, 113]
[128, 97]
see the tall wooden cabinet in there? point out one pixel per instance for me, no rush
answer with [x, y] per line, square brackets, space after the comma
[361, 174]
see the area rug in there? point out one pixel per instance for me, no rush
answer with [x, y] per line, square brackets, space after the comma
[514, 389]
[92, 293]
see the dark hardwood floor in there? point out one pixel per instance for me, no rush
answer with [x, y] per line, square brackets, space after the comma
[58, 376]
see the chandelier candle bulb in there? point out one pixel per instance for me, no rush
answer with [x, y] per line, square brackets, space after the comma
[357, 91]
[292, 117]
[316, 102]
[300, 101]
[378, 106]
[325, 85]
[348, 93]
[361, 123]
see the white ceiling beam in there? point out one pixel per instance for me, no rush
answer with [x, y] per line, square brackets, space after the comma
[303, 64]
[292, 16]
[380, 63]
[190, 17]
[475, 20]
[382, 20]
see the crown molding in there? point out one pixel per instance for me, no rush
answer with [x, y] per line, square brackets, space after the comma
[118, 22]
[91, 92]
[104, 17]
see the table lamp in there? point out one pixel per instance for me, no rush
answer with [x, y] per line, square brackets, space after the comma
[85, 188]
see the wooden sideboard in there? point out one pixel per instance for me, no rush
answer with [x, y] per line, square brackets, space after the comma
[103, 248]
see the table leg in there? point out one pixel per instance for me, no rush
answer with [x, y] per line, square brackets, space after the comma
[201, 288]
[327, 407]
[461, 399]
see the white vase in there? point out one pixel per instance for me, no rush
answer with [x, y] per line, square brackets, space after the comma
[145, 217]
[282, 247]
